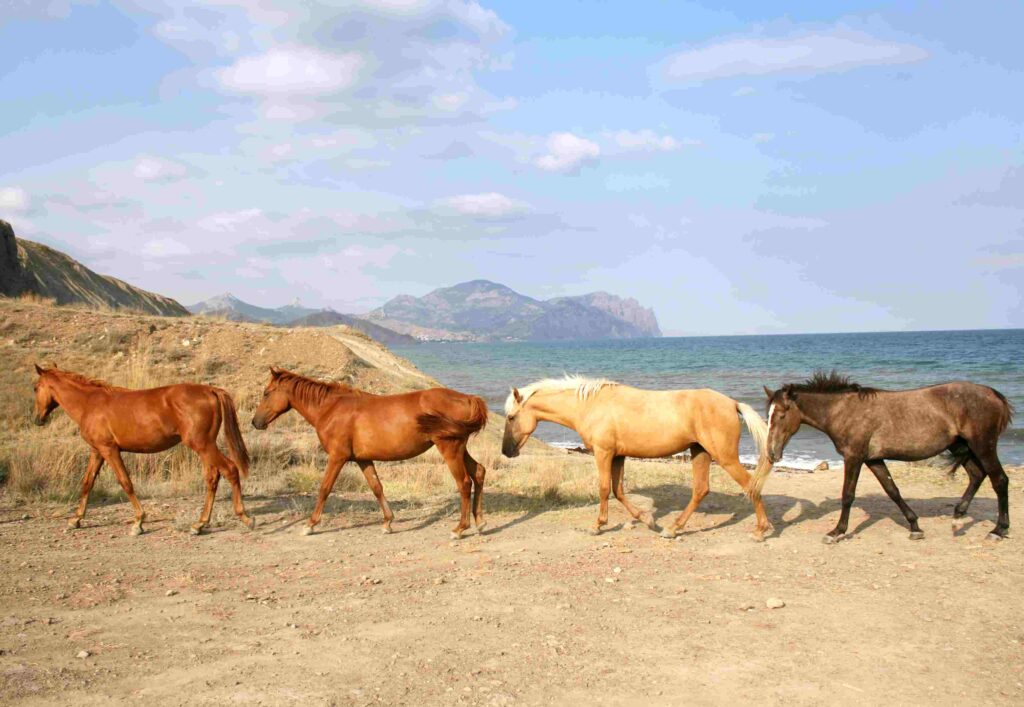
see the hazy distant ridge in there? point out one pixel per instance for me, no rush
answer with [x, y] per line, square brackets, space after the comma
[484, 310]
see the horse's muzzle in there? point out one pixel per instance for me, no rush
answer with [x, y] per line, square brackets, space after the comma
[259, 424]
[38, 421]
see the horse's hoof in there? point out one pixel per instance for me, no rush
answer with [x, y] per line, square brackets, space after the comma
[668, 534]
[916, 535]
[830, 539]
[136, 530]
[594, 531]
[455, 536]
[250, 524]
[628, 525]
[74, 523]
[307, 530]
[480, 528]
[995, 536]
[196, 530]
[386, 530]
[958, 524]
[757, 537]
[649, 521]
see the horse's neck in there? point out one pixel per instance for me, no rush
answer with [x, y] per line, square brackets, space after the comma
[816, 409]
[561, 408]
[72, 397]
[311, 411]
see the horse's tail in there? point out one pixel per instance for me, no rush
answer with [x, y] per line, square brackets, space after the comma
[759, 431]
[1006, 413]
[958, 453]
[439, 424]
[236, 445]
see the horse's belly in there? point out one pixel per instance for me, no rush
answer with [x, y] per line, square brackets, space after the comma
[148, 445]
[397, 451]
[652, 443]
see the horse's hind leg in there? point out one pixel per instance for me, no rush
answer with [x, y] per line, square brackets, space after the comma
[477, 472]
[742, 477]
[701, 464]
[95, 464]
[211, 477]
[977, 475]
[452, 451]
[112, 455]
[373, 481]
[881, 472]
[618, 484]
[990, 463]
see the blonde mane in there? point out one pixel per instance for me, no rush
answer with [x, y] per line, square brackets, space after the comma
[585, 388]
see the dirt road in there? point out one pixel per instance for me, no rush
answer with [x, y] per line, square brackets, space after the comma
[534, 612]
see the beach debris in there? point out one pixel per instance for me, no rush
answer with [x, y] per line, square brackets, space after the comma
[822, 467]
[83, 654]
[774, 603]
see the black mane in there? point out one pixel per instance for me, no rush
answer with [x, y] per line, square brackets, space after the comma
[833, 382]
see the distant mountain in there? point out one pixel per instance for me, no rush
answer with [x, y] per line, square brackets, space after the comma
[227, 306]
[27, 267]
[328, 317]
[484, 310]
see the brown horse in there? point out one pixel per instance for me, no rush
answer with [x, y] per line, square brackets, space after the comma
[868, 426]
[617, 421]
[362, 427]
[114, 420]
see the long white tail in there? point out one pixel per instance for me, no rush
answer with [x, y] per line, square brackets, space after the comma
[759, 431]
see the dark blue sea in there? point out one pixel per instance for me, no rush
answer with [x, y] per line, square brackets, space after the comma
[739, 366]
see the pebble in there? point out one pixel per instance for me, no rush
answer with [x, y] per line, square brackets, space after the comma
[774, 603]
[83, 654]
[746, 606]
[170, 592]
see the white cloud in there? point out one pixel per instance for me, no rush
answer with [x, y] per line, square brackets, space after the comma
[646, 140]
[165, 248]
[763, 137]
[809, 53]
[567, 153]
[744, 91]
[229, 221]
[293, 70]
[450, 102]
[13, 199]
[487, 205]
[153, 169]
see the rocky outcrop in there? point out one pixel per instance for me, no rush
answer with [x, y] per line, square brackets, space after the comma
[27, 267]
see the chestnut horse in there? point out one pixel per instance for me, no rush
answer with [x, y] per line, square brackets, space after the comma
[617, 421]
[362, 427]
[114, 420]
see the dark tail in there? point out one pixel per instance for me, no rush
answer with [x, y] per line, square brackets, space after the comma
[958, 453]
[1007, 411]
[438, 424]
[236, 445]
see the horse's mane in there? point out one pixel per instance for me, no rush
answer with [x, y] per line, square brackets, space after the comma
[833, 382]
[315, 391]
[83, 380]
[584, 387]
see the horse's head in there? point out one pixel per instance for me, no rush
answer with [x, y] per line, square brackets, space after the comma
[46, 402]
[275, 401]
[784, 419]
[520, 422]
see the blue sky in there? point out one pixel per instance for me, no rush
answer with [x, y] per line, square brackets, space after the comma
[740, 167]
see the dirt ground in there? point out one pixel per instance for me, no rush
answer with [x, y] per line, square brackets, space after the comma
[536, 611]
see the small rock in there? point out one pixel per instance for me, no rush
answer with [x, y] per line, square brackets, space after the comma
[822, 467]
[170, 592]
[440, 580]
[617, 570]
[774, 603]
[746, 606]
[83, 654]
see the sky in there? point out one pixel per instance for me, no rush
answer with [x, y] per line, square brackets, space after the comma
[740, 167]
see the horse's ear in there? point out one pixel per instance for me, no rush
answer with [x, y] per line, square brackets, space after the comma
[275, 372]
[517, 396]
[39, 369]
[769, 392]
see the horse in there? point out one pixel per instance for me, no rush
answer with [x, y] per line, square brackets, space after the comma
[354, 425]
[617, 421]
[868, 426]
[113, 420]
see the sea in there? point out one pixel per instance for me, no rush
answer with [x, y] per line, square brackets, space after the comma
[740, 366]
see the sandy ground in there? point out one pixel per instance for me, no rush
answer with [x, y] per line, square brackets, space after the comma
[534, 612]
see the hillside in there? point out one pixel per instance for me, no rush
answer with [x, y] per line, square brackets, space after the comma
[484, 310]
[329, 318]
[32, 268]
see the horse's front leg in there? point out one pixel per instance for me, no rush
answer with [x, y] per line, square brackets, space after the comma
[112, 455]
[881, 472]
[605, 461]
[334, 465]
[851, 472]
[373, 481]
[95, 464]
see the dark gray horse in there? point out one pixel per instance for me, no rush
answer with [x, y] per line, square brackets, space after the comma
[868, 426]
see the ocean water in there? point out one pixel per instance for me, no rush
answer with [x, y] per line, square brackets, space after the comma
[739, 366]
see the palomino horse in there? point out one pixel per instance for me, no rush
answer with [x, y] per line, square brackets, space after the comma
[114, 420]
[868, 426]
[362, 427]
[617, 421]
